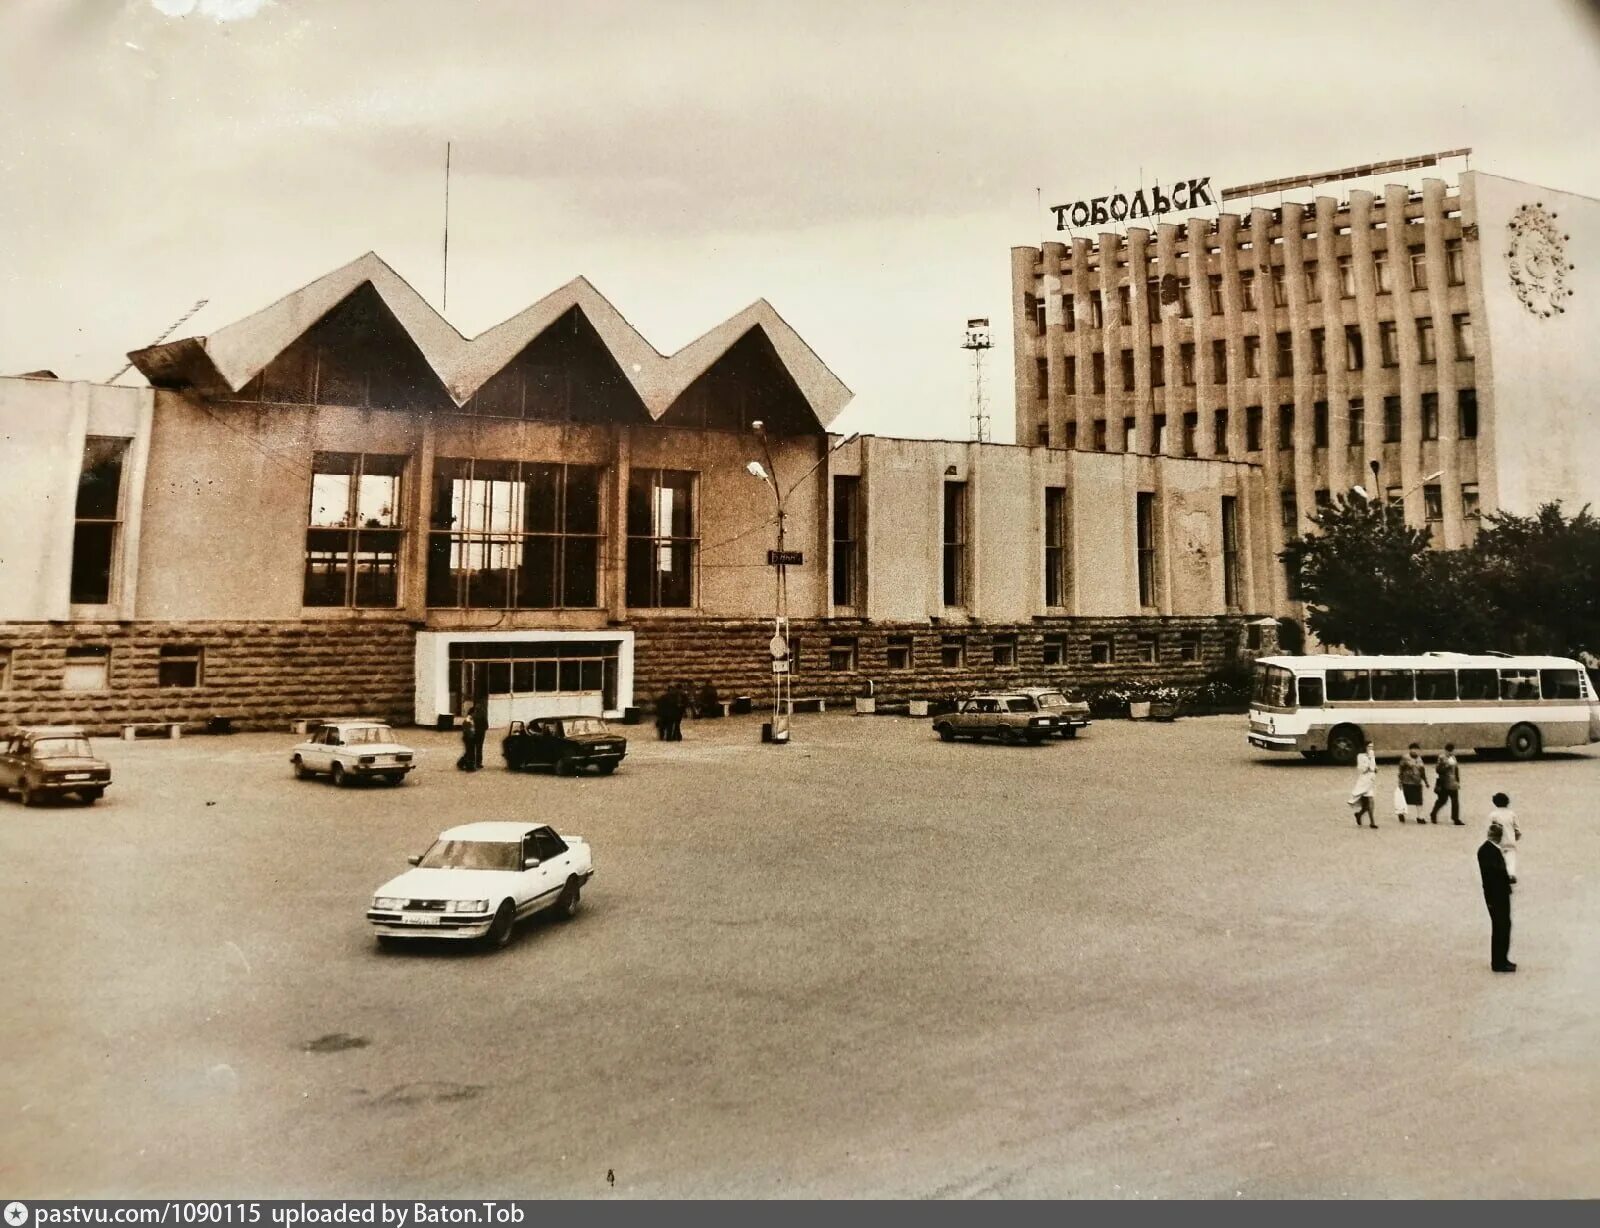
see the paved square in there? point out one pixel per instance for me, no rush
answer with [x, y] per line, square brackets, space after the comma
[1149, 962]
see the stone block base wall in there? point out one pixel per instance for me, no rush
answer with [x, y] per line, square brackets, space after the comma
[259, 674]
[733, 656]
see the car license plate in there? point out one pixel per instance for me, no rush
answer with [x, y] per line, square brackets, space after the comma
[77, 776]
[426, 918]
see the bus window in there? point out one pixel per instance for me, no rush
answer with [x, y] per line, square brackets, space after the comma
[1310, 690]
[1348, 684]
[1478, 683]
[1560, 684]
[1274, 687]
[1519, 684]
[1393, 684]
[1434, 685]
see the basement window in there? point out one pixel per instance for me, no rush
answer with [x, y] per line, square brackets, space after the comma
[87, 669]
[180, 665]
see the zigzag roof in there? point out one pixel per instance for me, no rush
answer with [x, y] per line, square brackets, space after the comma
[226, 360]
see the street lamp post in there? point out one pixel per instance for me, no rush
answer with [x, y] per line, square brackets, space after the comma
[1382, 499]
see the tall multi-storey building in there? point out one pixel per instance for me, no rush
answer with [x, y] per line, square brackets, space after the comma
[1444, 334]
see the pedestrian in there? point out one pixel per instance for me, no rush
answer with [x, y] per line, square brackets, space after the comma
[1497, 897]
[667, 714]
[1366, 784]
[1413, 779]
[680, 702]
[1510, 833]
[1447, 785]
[468, 720]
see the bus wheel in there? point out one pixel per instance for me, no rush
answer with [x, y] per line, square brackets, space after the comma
[1344, 744]
[1523, 742]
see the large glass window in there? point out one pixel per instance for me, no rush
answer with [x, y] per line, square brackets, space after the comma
[1055, 546]
[663, 538]
[1436, 685]
[1145, 513]
[354, 538]
[1560, 684]
[1478, 684]
[97, 526]
[1393, 685]
[846, 540]
[1519, 684]
[87, 669]
[1347, 685]
[514, 535]
[1230, 551]
[955, 543]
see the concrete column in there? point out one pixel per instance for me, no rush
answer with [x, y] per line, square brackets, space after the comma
[1400, 302]
[1372, 375]
[1113, 337]
[616, 528]
[1140, 401]
[419, 514]
[1452, 532]
[1081, 340]
[1055, 341]
[1023, 262]
[1202, 329]
[127, 589]
[1331, 317]
[1175, 399]
[1302, 384]
[1232, 330]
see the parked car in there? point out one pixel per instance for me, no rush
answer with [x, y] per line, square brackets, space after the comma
[1010, 716]
[565, 743]
[52, 761]
[1071, 714]
[478, 880]
[353, 750]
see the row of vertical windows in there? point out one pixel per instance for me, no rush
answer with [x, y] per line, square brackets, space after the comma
[844, 651]
[88, 667]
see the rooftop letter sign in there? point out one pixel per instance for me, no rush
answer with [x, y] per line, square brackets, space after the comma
[1101, 210]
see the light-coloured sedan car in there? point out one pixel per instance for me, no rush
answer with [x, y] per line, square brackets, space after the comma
[478, 880]
[1071, 714]
[1008, 716]
[348, 751]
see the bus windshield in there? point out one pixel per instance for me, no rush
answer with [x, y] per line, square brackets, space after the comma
[1274, 687]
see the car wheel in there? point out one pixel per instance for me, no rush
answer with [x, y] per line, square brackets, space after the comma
[1071, 731]
[89, 796]
[388, 942]
[514, 764]
[26, 795]
[1523, 742]
[567, 906]
[606, 768]
[505, 920]
[1344, 744]
[394, 778]
[340, 777]
[946, 734]
[301, 772]
[565, 766]
[1009, 735]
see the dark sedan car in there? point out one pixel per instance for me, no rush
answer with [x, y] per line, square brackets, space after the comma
[51, 761]
[565, 743]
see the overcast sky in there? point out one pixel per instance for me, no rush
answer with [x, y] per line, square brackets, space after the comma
[864, 166]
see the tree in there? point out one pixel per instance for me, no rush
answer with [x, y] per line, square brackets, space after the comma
[1540, 577]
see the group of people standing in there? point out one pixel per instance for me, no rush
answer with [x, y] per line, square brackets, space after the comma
[1497, 855]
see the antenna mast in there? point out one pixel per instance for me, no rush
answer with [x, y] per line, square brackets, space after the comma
[444, 293]
[977, 340]
[171, 328]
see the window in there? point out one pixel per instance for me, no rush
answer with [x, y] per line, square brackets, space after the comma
[1391, 419]
[1252, 428]
[1430, 415]
[1158, 426]
[1313, 286]
[1039, 318]
[952, 651]
[1186, 363]
[1308, 691]
[1097, 311]
[1322, 498]
[1436, 685]
[1102, 651]
[1319, 351]
[1054, 651]
[1219, 429]
[1099, 434]
[1184, 309]
[1145, 516]
[1042, 434]
[1055, 546]
[1189, 646]
[1467, 412]
[354, 538]
[1098, 370]
[1191, 428]
[1003, 650]
[1285, 355]
[1069, 318]
[1219, 361]
[1214, 290]
[1461, 330]
[847, 571]
[663, 539]
[1158, 366]
[1393, 685]
[97, 524]
[1391, 496]
[1519, 684]
[1286, 426]
[509, 535]
[180, 665]
[1358, 423]
[1347, 685]
[1252, 357]
[87, 669]
[1425, 348]
[1041, 378]
[1354, 350]
[1419, 268]
[1560, 684]
[1433, 503]
[1071, 443]
[1247, 290]
[1455, 264]
[1280, 287]
[842, 653]
[1381, 280]
[1125, 304]
[955, 543]
[899, 654]
[1347, 277]
[1469, 501]
[1147, 650]
[1478, 684]
[1127, 370]
[1129, 441]
[1289, 513]
[1389, 343]
[1069, 382]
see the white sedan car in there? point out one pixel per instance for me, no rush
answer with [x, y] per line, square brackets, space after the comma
[348, 751]
[479, 880]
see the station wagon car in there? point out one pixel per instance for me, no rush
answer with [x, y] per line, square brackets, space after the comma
[347, 751]
[565, 743]
[1009, 716]
[478, 880]
[52, 761]
[1071, 714]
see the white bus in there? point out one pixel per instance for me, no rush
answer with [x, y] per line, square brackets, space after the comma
[1331, 705]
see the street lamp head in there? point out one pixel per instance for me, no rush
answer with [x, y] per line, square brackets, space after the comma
[1373, 465]
[1362, 491]
[1434, 476]
[757, 470]
[758, 426]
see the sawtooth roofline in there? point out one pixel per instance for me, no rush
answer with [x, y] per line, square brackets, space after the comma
[225, 361]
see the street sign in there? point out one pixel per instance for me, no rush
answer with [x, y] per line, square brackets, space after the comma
[780, 666]
[785, 558]
[778, 647]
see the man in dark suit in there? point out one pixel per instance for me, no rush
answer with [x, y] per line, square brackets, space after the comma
[1497, 895]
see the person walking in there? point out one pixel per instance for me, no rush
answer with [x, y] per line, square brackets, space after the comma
[1497, 897]
[680, 703]
[1366, 784]
[1413, 779]
[1510, 833]
[468, 720]
[668, 713]
[1447, 785]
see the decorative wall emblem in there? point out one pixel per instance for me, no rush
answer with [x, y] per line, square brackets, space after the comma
[1536, 256]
